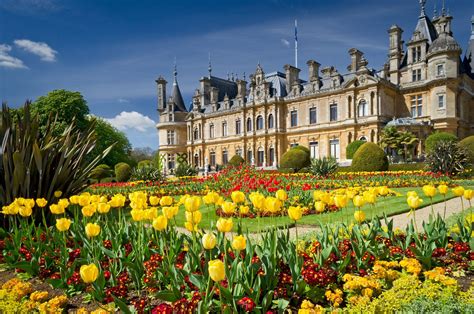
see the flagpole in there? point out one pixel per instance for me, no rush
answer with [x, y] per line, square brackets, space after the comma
[296, 43]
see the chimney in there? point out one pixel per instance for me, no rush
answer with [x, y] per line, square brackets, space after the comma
[214, 95]
[161, 85]
[313, 69]
[292, 77]
[241, 88]
[395, 53]
[356, 57]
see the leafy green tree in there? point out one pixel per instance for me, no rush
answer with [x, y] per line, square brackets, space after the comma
[400, 142]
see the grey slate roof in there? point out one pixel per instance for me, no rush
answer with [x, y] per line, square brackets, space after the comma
[225, 87]
[177, 98]
[426, 29]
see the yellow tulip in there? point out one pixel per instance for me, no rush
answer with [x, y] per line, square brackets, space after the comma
[295, 213]
[412, 193]
[160, 223]
[370, 197]
[154, 200]
[319, 206]
[137, 214]
[239, 242]
[89, 273]
[92, 230]
[58, 194]
[166, 201]
[25, 211]
[272, 204]
[382, 190]
[216, 270]
[63, 202]
[192, 203]
[194, 217]
[414, 202]
[429, 190]
[209, 241]
[244, 210]
[41, 202]
[170, 211]
[224, 225]
[458, 191]
[63, 224]
[103, 208]
[358, 201]
[326, 198]
[237, 197]
[281, 195]
[211, 198]
[359, 216]
[190, 226]
[468, 194]
[56, 209]
[89, 210]
[443, 189]
[340, 200]
[74, 199]
[258, 200]
[228, 207]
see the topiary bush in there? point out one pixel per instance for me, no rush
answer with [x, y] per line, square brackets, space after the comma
[437, 137]
[352, 148]
[369, 157]
[236, 161]
[100, 172]
[407, 167]
[123, 171]
[468, 145]
[295, 159]
[302, 148]
[447, 157]
[145, 163]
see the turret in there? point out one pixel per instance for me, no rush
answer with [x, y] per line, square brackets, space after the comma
[161, 85]
[395, 53]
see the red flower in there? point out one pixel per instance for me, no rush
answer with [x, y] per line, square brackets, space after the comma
[247, 304]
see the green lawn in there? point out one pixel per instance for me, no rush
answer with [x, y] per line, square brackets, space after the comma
[390, 206]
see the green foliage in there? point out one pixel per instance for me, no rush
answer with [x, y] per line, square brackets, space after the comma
[447, 157]
[36, 164]
[323, 167]
[106, 135]
[236, 161]
[108, 180]
[146, 173]
[184, 170]
[302, 148]
[295, 159]
[352, 148]
[145, 163]
[64, 106]
[402, 143]
[123, 171]
[437, 137]
[369, 157]
[468, 144]
[141, 153]
[100, 172]
[407, 167]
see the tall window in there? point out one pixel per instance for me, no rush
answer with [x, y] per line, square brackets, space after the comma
[416, 75]
[259, 122]
[363, 108]
[294, 118]
[271, 155]
[170, 137]
[196, 134]
[312, 116]
[416, 106]
[171, 162]
[334, 148]
[270, 121]
[440, 101]
[333, 112]
[314, 150]
[249, 156]
[224, 128]
[416, 53]
[249, 124]
[260, 154]
[225, 157]
[440, 70]
[211, 131]
[212, 158]
[237, 126]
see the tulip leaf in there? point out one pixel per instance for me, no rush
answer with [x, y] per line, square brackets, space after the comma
[122, 305]
[167, 295]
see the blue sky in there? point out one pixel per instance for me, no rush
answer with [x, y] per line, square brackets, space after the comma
[112, 51]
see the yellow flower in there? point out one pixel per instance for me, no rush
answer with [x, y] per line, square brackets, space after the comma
[103, 208]
[208, 241]
[411, 265]
[41, 202]
[160, 223]
[414, 202]
[228, 207]
[272, 204]
[137, 214]
[244, 210]
[359, 216]
[468, 194]
[281, 195]
[63, 224]
[370, 197]
[382, 190]
[412, 193]
[89, 273]
[340, 200]
[89, 210]
[224, 225]
[25, 211]
[190, 226]
[295, 213]
[194, 217]
[429, 190]
[216, 270]
[170, 211]
[210, 198]
[58, 194]
[192, 203]
[443, 189]
[39, 296]
[166, 201]
[458, 191]
[358, 201]
[63, 202]
[56, 209]
[154, 200]
[258, 200]
[92, 230]
[239, 243]
[237, 197]
[319, 206]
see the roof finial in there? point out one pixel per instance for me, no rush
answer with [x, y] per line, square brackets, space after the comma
[244, 76]
[443, 9]
[435, 12]
[422, 5]
[209, 68]
[175, 72]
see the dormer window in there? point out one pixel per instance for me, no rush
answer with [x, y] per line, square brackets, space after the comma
[416, 53]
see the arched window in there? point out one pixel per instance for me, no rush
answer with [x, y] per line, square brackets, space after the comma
[259, 122]
[224, 128]
[363, 108]
[270, 121]
[196, 134]
[363, 138]
[249, 124]
[225, 157]
[212, 158]
[260, 157]
[211, 131]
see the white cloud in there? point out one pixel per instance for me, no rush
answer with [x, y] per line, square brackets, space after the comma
[128, 120]
[8, 61]
[43, 50]
[123, 101]
[285, 42]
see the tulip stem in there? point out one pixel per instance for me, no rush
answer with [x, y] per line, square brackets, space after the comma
[444, 213]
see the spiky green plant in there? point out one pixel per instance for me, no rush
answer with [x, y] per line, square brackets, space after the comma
[323, 167]
[447, 157]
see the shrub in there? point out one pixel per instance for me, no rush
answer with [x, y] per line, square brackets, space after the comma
[236, 161]
[369, 157]
[146, 173]
[185, 170]
[468, 145]
[122, 172]
[352, 148]
[447, 157]
[108, 180]
[295, 159]
[437, 137]
[302, 148]
[100, 172]
[323, 167]
[145, 163]
[407, 167]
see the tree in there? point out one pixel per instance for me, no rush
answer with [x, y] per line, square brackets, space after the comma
[65, 106]
[107, 135]
[141, 153]
[399, 142]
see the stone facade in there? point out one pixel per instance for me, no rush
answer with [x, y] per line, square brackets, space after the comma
[428, 81]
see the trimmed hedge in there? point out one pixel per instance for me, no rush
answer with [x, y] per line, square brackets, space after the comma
[468, 144]
[236, 161]
[369, 157]
[123, 171]
[295, 159]
[302, 148]
[437, 137]
[352, 148]
[100, 172]
[407, 167]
